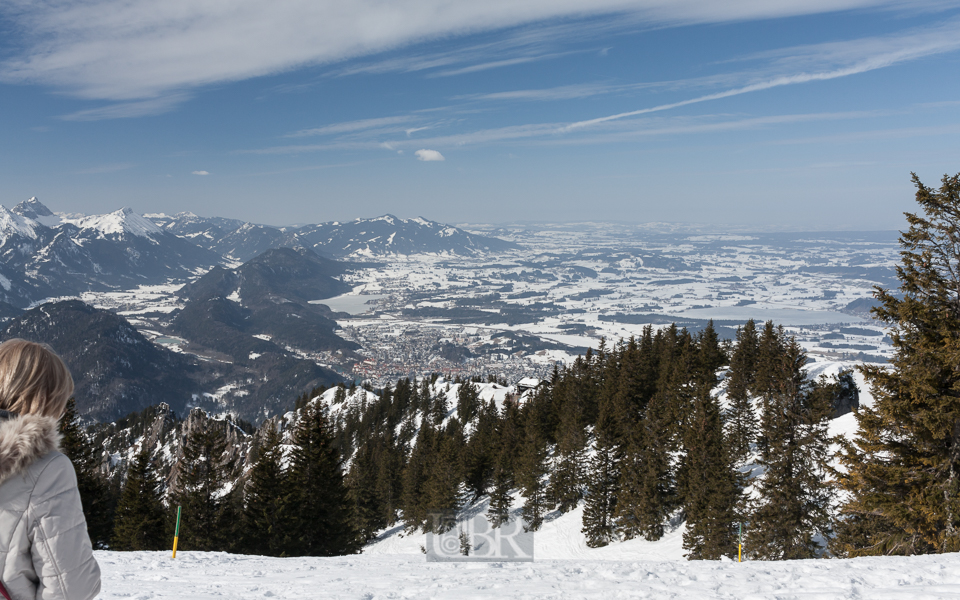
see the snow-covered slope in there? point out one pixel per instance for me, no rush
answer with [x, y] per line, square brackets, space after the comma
[203, 575]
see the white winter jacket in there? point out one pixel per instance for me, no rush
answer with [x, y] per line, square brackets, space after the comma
[45, 552]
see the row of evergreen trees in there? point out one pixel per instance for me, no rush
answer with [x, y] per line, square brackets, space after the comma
[635, 434]
[283, 507]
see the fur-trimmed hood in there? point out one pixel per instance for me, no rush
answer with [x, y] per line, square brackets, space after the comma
[24, 439]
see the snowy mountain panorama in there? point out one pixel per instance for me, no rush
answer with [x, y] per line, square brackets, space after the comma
[45, 255]
[358, 239]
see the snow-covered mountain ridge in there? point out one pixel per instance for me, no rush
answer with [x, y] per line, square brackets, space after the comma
[382, 236]
[45, 255]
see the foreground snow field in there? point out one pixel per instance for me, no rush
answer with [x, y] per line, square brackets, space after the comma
[196, 575]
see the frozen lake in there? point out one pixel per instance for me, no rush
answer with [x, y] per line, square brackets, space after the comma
[354, 304]
[780, 316]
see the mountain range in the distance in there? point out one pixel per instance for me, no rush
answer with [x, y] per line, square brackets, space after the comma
[247, 314]
[45, 254]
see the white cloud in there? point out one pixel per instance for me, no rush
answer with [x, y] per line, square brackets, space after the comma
[134, 50]
[201, 172]
[428, 155]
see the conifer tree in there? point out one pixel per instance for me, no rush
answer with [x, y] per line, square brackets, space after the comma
[479, 455]
[96, 496]
[503, 473]
[793, 495]
[568, 473]
[533, 463]
[468, 402]
[415, 475]
[601, 493]
[323, 522]
[741, 418]
[140, 517]
[604, 472]
[267, 506]
[710, 483]
[203, 473]
[443, 490]
[903, 469]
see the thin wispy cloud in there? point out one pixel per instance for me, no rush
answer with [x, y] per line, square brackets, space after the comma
[860, 56]
[128, 110]
[129, 50]
[351, 126]
[509, 62]
[200, 173]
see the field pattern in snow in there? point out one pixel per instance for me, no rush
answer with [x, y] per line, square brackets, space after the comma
[199, 575]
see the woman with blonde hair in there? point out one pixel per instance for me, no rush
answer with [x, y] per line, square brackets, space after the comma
[45, 552]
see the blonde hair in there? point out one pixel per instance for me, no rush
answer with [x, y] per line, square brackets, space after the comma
[33, 379]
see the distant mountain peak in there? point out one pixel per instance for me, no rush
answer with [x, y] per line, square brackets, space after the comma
[32, 209]
[119, 222]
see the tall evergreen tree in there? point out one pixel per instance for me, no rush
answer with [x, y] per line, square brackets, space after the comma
[203, 473]
[903, 469]
[533, 462]
[323, 522]
[140, 522]
[503, 472]
[710, 483]
[741, 380]
[96, 496]
[793, 495]
[568, 473]
[604, 471]
[266, 515]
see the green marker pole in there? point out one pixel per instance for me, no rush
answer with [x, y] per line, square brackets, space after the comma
[176, 534]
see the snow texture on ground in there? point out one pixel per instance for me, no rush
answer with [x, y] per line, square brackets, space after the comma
[200, 575]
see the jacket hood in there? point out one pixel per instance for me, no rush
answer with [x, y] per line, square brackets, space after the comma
[24, 439]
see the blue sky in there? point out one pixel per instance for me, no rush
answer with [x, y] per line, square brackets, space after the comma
[769, 114]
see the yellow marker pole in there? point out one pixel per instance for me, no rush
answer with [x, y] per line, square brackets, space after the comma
[739, 545]
[176, 534]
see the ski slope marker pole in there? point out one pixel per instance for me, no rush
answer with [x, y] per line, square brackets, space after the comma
[176, 534]
[739, 544]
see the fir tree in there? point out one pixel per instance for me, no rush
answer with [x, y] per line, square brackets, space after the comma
[568, 476]
[203, 473]
[503, 472]
[601, 493]
[443, 491]
[479, 455]
[322, 524]
[903, 469]
[267, 506]
[710, 483]
[96, 496]
[415, 475]
[741, 380]
[604, 471]
[140, 522]
[793, 495]
[533, 463]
